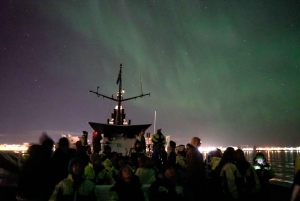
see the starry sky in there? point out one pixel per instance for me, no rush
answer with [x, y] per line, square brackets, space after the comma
[225, 71]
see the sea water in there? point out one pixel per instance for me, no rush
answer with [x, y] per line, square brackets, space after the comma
[282, 163]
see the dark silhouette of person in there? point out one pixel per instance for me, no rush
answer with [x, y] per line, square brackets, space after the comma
[34, 177]
[160, 158]
[127, 186]
[59, 163]
[81, 153]
[171, 153]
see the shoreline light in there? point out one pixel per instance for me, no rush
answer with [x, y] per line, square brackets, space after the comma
[23, 147]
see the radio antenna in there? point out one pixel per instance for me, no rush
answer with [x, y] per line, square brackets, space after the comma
[141, 84]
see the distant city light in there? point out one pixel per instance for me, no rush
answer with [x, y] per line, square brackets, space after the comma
[208, 149]
[23, 148]
[14, 147]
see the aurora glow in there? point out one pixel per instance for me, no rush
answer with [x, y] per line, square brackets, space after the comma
[227, 72]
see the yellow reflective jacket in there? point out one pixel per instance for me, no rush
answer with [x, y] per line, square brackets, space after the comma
[231, 173]
[158, 139]
[100, 179]
[65, 190]
[112, 172]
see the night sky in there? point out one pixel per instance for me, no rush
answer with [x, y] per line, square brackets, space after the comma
[225, 71]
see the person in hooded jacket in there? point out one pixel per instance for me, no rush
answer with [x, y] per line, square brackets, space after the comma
[75, 187]
[226, 176]
[264, 172]
[127, 187]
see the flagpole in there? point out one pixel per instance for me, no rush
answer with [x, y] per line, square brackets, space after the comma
[154, 121]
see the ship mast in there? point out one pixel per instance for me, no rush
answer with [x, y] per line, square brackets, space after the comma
[118, 118]
[119, 81]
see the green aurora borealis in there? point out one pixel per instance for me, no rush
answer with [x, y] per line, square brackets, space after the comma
[226, 71]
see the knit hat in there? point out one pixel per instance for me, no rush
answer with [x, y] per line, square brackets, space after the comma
[74, 161]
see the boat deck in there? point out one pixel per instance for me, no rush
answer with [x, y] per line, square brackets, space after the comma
[278, 192]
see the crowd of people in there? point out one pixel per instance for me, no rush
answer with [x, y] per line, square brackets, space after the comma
[173, 173]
